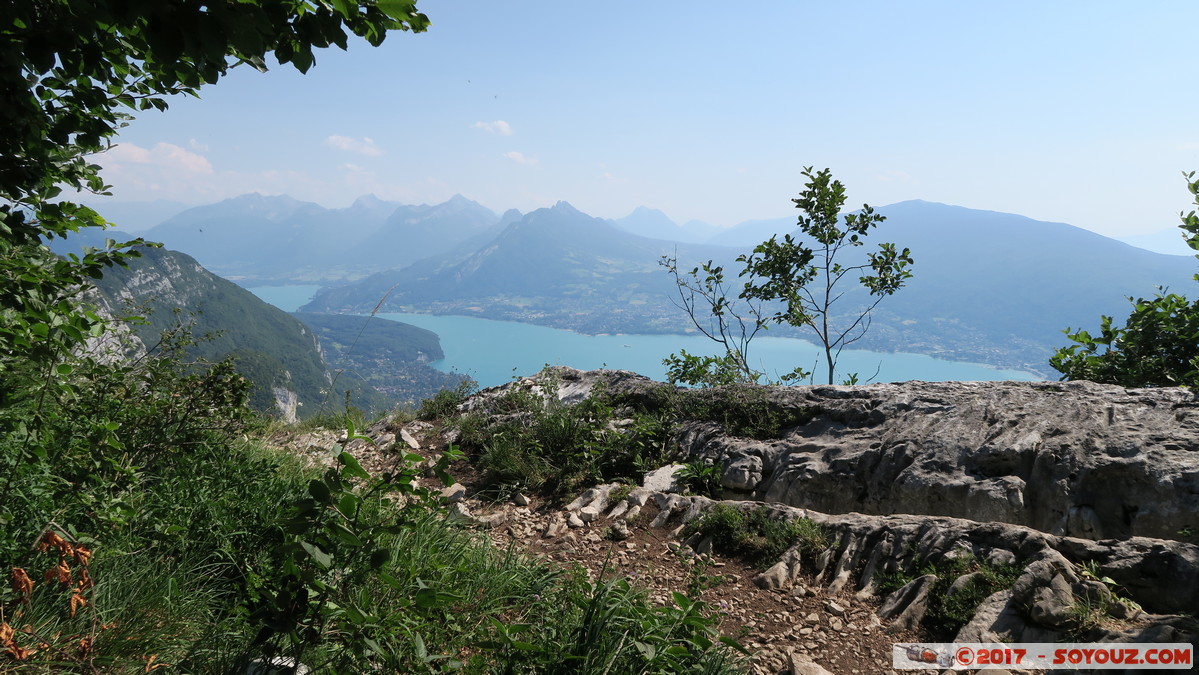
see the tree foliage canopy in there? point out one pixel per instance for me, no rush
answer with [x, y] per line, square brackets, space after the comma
[72, 73]
[1158, 345]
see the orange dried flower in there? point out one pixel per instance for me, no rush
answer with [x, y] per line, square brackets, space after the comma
[60, 572]
[22, 585]
[82, 555]
[77, 601]
[6, 633]
[19, 653]
[85, 646]
[50, 539]
[150, 665]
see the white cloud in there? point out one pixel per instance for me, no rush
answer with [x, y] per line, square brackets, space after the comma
[366, 146]
[497, 127]
[197, 145]
[164, 156]
[519, 158]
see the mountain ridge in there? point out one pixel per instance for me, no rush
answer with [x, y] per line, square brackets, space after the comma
[988, 287]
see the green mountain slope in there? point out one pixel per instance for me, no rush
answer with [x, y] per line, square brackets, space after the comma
[555, 266]
[388, 355]
[278, 353]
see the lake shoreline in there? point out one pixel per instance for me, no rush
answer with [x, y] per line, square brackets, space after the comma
[493, 350]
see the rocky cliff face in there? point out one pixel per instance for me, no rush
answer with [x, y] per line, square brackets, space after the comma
[1084, 495]
[1075, 459]
[1071, 459]
[1084, 472]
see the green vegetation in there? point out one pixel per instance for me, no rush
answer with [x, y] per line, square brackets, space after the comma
[139, 527]
[270, 348]
[758, 536]
[527, 441]
[700, 477]
[524, 439]
[389, 356]
[1158, 345]
[788, 283]
[445, 403]
[779, 289]
[787, 268]
[741, 410]
[949, 611]
[340, 578]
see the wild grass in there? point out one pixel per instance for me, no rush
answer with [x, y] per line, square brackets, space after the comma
[206, 551]
[757, 536]
[947, 612]
[526, 441]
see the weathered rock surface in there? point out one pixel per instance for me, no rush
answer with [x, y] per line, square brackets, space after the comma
[1091, 491]
[1042, 606]
[1075, 459]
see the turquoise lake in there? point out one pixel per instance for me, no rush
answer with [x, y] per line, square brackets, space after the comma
[492, 352]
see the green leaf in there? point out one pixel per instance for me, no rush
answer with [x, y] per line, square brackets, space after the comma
[418, 644]
[318, 556]
[379, 558]
[351, 468]
[344, 534]
[397, 9]
[348, 504]
[319, 490]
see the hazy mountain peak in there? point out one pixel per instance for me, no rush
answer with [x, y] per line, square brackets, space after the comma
[257, 198]
[565, 207]
[647, 212]
[367, 201]
[511, 216]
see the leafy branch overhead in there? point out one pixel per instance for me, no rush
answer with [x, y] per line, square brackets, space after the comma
[73, 73]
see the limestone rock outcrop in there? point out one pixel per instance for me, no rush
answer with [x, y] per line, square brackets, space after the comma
[1089, 492]
[1074, 459]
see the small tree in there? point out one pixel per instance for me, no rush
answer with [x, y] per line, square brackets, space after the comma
[730, 324]
[803, 284]
[808, 282]
[1158, 346]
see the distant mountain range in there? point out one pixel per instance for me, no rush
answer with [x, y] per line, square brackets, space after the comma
[261, 239]
[988, 287]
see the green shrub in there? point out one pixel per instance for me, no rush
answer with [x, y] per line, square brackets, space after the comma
[527, 441]
[740, 409]
[946, 613]
[757, 536]
[445, 403]
[700, 477]
[1158, 345]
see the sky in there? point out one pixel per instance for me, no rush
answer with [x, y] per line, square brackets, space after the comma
[1066, 111]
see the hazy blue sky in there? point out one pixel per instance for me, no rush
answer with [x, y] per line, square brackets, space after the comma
[1082, 112]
